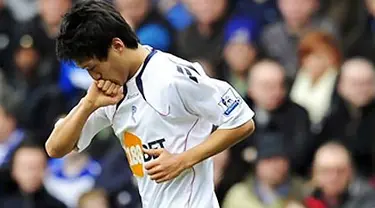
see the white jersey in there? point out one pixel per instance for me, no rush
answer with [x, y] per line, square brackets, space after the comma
[170, 103]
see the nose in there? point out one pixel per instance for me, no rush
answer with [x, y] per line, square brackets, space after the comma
[95, 76]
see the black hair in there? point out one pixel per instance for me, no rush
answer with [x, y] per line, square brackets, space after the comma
[88, 29]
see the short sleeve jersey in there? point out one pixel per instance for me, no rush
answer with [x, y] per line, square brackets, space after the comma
[170, 103]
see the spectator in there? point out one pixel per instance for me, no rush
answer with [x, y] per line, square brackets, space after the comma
[240, 51]
[7, 27]
[93, 199]
[28, 169]
[10, 133]
[280, 40]
[313, 89]
[272, 185]
[267, 96]
[203, 40]
[43, 29]
[335, 182]
[150, 26]
[352, 116]
[364, 45]
[41, 100]
[10, 138]
[25, 75]
[68, 178]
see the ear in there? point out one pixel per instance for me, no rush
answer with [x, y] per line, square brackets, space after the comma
[117, 45]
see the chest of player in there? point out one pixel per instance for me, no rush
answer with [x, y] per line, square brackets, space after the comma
[138, 125]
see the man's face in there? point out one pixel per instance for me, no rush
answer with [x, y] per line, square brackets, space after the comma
[7, 125]
[133, 11]
[29, 168]
[272, 170]
[53, 10]
[239, 56]
[267, 87]
[95, 202]
[297, 12]
[370, 4]
[112, 69]
[207, 11]
[357, 85]
[332, 173]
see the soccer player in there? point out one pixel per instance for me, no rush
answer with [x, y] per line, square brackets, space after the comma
[162, 108]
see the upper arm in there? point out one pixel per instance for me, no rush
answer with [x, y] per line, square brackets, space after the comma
[96, 122]
[213, 100]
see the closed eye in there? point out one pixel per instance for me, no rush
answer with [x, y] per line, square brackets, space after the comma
[90, 68]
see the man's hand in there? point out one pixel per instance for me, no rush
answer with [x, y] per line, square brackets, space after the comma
[103, 93]
[166, 167]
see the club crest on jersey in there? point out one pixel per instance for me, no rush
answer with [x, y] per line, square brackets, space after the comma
[229, 101]
[134, 110]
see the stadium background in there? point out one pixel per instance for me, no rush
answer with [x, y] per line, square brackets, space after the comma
[304, 66]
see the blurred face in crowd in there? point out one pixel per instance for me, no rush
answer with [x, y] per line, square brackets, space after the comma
[371, 7]
[239, 56]
[8, 125]
[94, 200]
[357, 82]
[332, 170]
[297, 12]
[53, 10]
[133, 11]
[272, 171]
[318, 52]
[207, 12]
[28, 168]
[317, 63]
[267, 85]
[26, 60]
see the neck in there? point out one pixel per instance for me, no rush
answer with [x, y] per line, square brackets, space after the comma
[296, 29]
[204, 29]
[5, 136]
[73, 166]
[139, 55]
[332, 200]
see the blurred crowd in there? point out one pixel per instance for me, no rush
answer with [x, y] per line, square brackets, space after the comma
[306, 67]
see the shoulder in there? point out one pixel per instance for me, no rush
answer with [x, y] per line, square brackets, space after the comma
[165, 69]
[296, 108]
[241, 188]
[161, 75]
[272, 30]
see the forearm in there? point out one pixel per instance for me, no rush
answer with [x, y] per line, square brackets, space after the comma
[66, 133]
[216, 143]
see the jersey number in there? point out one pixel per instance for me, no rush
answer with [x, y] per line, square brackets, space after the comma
[186, 70]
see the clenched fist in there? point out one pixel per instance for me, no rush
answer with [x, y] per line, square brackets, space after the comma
[103, 93]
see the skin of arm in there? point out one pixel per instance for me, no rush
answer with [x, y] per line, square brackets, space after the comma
[67, 131]
[218, 141]
[168, 166]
